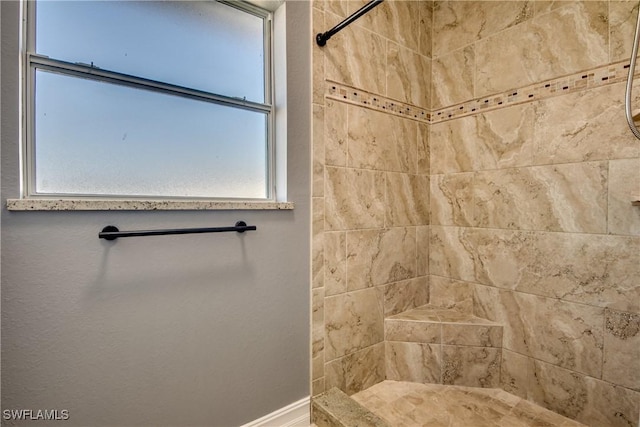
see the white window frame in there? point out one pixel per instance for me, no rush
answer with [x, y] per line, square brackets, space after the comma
[276, 178]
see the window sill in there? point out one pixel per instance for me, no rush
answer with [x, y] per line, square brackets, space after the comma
[139, 205]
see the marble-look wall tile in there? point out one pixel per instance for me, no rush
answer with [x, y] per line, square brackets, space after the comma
[529, 53]
[448, 293]
[490, 257]
[370, 136]
[398, 21]
[622, 349]
[425, 45]
[317, 185]
[422, 250]
[452, 77]
[317, 387]
[408, 75]
[505, 137]
[451, 146]
[357, 371]
[570, 198]
[451, 253]
[317, 333]
[559, 390]
[479, 335]
[407, 200]
[452, 26]
[585, 268]
[583, 398]
[336, 133]
[622, 20]
[354, 198]
[402, 150]
[471, 366]
[610, 405]
[545, 6]
[412, 331]
[317, 243]
[414, 362]
[502, 15]
[598, 270]
[355, 57]
[562, 333]
[335, 258]
[497, 139]
[592, 269]
[502, 307]
[405, 295]
[451, 199]
[353, 321]
[583, 126]
[381, 141]
[514, 373]
[459, 23]
[423, 149]
[558, 332]
[378, 257]
[337, 7]
[624, 186]
[492, 140]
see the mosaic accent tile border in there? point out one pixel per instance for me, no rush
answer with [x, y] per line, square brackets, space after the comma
[351, 95]
[597, 77]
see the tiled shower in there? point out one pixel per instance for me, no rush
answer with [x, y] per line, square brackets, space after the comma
[475, 154]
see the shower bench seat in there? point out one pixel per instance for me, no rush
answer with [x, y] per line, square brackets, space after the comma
[433, 344]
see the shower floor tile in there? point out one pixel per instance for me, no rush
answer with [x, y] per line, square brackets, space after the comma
[411, 404]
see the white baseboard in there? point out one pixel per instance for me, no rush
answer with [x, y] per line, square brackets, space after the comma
[297, 414]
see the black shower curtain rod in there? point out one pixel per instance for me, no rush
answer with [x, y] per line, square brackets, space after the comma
[322, 38]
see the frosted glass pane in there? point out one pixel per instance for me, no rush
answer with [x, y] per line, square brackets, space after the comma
[197, 44]
[104, 139]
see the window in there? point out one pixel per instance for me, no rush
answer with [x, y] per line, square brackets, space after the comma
[149, 99]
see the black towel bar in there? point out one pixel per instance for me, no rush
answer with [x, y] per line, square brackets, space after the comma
[111, 232]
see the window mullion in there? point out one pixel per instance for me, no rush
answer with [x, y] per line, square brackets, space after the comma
[94, 73]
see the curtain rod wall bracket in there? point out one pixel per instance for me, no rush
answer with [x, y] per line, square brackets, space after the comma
[321, 38]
